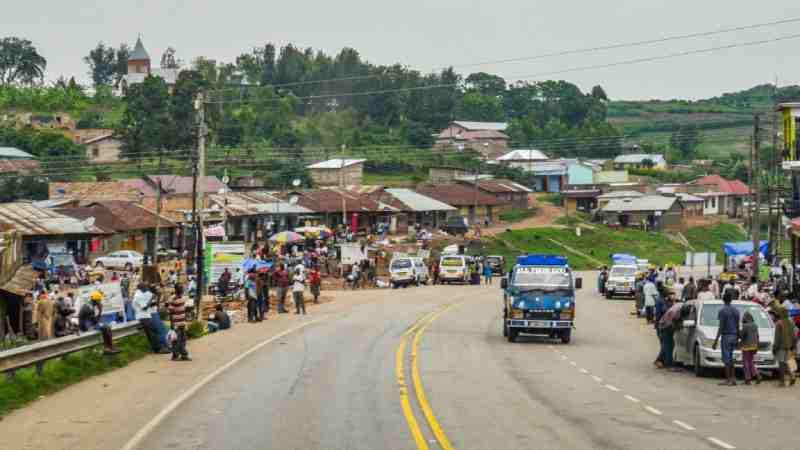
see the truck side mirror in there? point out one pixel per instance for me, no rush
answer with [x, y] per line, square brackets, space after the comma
[578, 283]
[504, 283]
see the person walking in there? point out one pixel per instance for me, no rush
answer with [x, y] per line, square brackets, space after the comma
[177, 314]
[315, 282]
[666, 334]
[143, 306]
[487, 274]
[45, 314]
[750, 342]
[298, 285]
[263, 293]
[650, 296]
[784, 344]
[728, 333]
[282, 280]
[250, 295]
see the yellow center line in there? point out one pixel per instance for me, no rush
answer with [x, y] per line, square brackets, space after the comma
[405, 404]
[444, 442]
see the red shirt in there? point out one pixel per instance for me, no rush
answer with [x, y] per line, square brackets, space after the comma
[314, 277]
[282, 278]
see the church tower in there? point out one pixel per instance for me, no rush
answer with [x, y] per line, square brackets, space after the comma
[139, 60]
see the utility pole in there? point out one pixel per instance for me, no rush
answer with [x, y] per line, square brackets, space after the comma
[756, 227]
[197, 203]
[158, 221]
[341, 185]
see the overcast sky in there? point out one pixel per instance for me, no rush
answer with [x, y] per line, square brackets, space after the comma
[427, 37]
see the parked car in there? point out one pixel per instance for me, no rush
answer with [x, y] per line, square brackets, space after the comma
[621, 281]
[456, 225]
[122, 259]
[454, 269]
[693, 341]
[402, 272]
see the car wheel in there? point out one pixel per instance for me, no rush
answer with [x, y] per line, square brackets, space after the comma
[505, 327]
[566, 335]
[609, 295]
[699, 370]
[394, 285]
[128, 267]
[512, 335]
[98, 264]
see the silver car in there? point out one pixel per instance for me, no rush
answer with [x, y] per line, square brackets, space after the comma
[694, 340]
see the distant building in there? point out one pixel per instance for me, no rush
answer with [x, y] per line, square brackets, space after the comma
[580, 200]
[334, 172]
[104, 148]
[722, 196]
[639, 161]
[140, 66]
[15, 161]
[447, 174]
[506, 191]
[649, 212]
[488, 138]
[522, 158]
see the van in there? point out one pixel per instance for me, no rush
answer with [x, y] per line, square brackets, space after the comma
[402, 272]
[454, 269]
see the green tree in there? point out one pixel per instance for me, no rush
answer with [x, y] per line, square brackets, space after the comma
[121, 63]
[480, 107]
[485, 83]
[182, 111]
[599, 93]
[20, 62]
[686, 138]
[23, 187]
[146, 123]
[102, 62]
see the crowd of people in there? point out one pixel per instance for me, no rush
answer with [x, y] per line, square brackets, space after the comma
[661, 296]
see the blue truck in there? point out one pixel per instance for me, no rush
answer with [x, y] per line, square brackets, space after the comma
[539, 298]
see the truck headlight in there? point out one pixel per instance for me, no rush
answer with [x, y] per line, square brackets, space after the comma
[566, 314]
[517, 313]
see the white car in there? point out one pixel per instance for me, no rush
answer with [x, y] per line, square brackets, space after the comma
[621, 281]
[694, 340]
[122, 259]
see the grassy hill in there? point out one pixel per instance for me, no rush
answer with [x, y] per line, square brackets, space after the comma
[726, 121]
[596, 245]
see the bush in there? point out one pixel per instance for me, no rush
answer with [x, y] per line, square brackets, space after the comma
[554, 199]
[516, 215]
[196, 329]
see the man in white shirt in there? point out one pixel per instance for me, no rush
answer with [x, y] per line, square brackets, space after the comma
[650, 295]
[752, 290]
[298, 285]
[705, 294]
[677, 289]
[143, 308]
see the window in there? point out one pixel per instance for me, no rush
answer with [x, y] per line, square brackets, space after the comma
[713, 202]
[95, 152]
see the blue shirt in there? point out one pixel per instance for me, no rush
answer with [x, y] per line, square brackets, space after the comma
[728, 320]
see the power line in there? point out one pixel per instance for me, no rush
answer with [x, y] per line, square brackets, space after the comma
[568, 52]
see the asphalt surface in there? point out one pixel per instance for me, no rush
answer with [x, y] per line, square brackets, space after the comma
[335, 385]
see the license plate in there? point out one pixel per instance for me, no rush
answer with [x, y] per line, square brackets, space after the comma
[539, 324]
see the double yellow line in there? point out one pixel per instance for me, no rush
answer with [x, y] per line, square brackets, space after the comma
[418, 329]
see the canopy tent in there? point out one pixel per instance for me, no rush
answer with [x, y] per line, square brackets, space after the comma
[257, 265]
[623, 258]
[744, 248]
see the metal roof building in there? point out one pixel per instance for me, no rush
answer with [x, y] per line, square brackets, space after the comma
[417, 202]
[335, 163]
[14, 153]
[31, 220]
[644, 203]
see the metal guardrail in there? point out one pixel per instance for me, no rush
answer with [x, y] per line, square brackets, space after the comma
[39, 353]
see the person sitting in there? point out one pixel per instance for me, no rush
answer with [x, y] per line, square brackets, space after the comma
[219, 320]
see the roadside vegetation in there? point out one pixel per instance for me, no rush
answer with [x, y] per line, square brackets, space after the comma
[600, 242]
[517, 215]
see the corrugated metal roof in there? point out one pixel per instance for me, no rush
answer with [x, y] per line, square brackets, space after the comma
[254, 203]
[524, 155]
[415, 201]
[458, 194]
[645, 203]
[14, 153]
[496, 185]
[34, 221]
[639, 158]
[688, 197]
[477, 126]
[335, 163]
[620, 194]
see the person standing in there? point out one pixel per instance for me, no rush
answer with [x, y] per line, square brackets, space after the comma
[250, 295]
[728, 333]
[298, 285]
[177, 314]
[783, 345]
[282, 280]
[750, 342]
[125, 290]
[601, 280]
[263, 292]
[224, 282]
[666, 334]
[315, 282]
[143, 306]
[689, 290]
[45, 313]
[705, 294]
[650, 297]
[487, 273]
[677, 289]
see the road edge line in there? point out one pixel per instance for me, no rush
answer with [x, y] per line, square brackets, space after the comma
[143, 432]
[441, 437]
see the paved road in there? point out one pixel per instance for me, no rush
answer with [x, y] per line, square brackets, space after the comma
[334, 385]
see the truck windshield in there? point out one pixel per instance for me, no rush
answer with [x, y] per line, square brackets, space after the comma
[541, 277]
[453, 262]
[400, 264]
[623, 271]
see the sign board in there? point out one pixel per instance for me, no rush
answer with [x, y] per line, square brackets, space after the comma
[351, 253]
[701, 259]
[222, 255]
[112, 297]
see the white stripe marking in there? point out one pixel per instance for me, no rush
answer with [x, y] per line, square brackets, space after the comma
[596, 378]
[137, 439]
[684, 425]
[722, 444]
[584, 371]
[633, 399]
[612, 388]
[653, 410]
